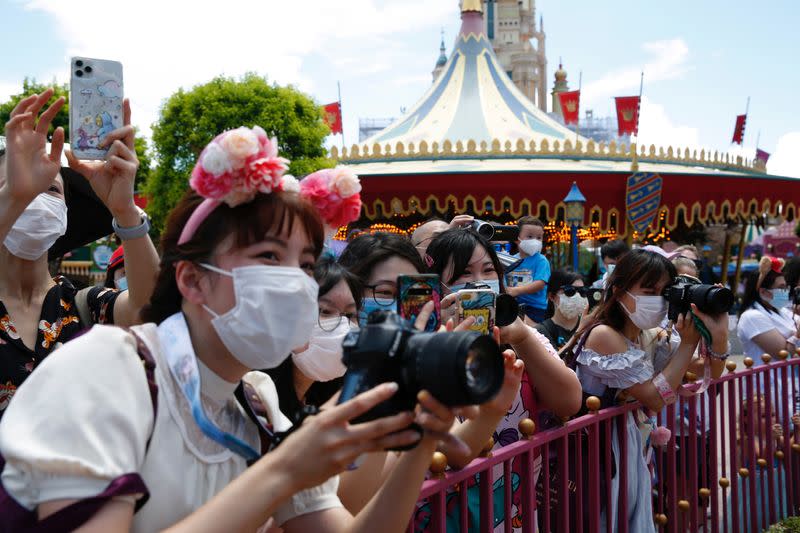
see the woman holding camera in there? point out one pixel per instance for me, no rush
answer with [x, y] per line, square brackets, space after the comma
[39, 313]
[767, 323]
[620, 352]
[378, 259]
[157, 414]
[566, 295]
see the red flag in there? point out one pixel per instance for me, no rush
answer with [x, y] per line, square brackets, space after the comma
[762, 156]
[333, 117]
[627, 115]
[738, 131]
[570, 105]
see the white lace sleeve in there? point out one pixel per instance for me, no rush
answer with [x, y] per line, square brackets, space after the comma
[307, 501]
[81, 420]
[618, 370]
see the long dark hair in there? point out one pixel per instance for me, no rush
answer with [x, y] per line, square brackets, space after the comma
[752, 295]
[248, 223]
[367, 250]
[637, 267]
[328, 274]
[458, 245]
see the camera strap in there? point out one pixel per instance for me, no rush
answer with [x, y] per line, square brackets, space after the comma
[695, 389]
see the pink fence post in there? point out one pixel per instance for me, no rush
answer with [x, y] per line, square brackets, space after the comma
[487, 501]
[753, 409]
[578, 511]
[733, 455]
[463, 505]
[690, 442]
[713, 473]
[563, 492]
[672, 475]
[622, 470]
[507, 482]
[609, 457]
[545, 511]
[594, 477]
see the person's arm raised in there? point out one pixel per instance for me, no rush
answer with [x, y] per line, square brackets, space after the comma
[112, 180]
[29, 168]
[556, 386]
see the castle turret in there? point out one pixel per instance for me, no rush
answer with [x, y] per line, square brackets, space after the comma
[441, 62]
[560, 86]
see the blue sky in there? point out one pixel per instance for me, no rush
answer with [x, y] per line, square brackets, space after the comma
[701, 59]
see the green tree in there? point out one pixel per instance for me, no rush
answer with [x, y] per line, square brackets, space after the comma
[31, 86]
[191, 119]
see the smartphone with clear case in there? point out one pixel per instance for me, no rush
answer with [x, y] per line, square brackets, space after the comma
[95, 104]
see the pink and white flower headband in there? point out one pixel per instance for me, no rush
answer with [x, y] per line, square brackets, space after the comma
[240, 163]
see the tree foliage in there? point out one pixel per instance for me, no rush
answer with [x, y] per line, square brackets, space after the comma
[31, 86]
[191, 119]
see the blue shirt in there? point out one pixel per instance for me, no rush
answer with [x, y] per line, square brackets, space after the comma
[530, 269]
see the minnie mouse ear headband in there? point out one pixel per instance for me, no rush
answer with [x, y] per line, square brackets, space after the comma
[767, 264]
[240, 163]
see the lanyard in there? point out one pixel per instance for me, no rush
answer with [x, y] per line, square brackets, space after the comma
[177, 346]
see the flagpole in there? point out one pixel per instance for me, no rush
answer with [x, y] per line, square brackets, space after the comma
[635, 145]
[341, 113]
[578, 124]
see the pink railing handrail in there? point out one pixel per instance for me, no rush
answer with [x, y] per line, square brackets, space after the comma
[720, 409]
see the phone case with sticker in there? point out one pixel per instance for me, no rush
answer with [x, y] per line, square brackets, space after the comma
[95, 104]
[479, 304]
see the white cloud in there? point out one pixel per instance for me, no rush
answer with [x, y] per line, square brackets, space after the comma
[668, 62]
[166, 45]
[786, 159]
[656, 127]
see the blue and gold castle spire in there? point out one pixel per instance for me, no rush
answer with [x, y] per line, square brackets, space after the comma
[473, 99]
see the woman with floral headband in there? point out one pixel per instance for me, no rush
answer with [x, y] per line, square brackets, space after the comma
[157, 416]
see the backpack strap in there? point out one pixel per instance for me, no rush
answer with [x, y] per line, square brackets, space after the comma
[82, 306]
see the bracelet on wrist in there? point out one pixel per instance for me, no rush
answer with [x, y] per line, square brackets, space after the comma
[720, 356]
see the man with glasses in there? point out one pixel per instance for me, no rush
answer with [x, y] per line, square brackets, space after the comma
[424, 234]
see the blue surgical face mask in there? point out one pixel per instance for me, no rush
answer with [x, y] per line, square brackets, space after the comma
[493, 284]
[122, 283]
[369, 305]
[780, 298]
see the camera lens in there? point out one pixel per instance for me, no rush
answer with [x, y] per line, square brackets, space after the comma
[79, 73]
[88, 70]
[79, 63]
[484, 229]
[711, 299]
[459, 368]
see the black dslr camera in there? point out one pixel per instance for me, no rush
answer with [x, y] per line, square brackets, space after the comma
[492, 231]
[457, 368]
[687, 290]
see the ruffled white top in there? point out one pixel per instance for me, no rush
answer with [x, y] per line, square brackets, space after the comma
[623, 370]
[84, 418]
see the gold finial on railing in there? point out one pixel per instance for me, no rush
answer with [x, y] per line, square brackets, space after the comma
[744, 472]
[487, 449]
[766, 358]
[704, 494]
[661, 519]
[334, 152]
[683, 505]
[779, 455]
[748, 362]
[724, 482]
[593, 404]
[690, 376]
[796, 447]
[731, 366]
[783, 355]
[527, 427]
[438, 464]
[761, 462]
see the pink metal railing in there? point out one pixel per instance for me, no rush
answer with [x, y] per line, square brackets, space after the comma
[725, 470]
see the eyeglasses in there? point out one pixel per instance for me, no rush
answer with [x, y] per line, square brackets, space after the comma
[570, 290]
[329, 321]
[383, 294]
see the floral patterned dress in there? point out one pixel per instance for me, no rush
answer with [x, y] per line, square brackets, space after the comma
[58, 323]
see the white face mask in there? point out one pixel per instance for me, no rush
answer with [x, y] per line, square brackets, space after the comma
[322, 360]
[275, 311]
[38, 227]
[650, 311]
[530, 246]
[572, 306]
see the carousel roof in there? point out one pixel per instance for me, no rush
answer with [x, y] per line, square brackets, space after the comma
[472, 100]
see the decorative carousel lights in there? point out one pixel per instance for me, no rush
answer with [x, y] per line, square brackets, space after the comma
[475, 144]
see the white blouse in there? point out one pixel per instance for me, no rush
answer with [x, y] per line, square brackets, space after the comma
[758, 320]
[84, 418]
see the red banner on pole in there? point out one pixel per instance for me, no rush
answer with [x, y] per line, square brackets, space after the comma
[738, 131]
[570, 106]
[627, 115]
[762, 156]
[333, 117]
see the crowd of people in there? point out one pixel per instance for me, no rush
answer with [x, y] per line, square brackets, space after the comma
[197, 389]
